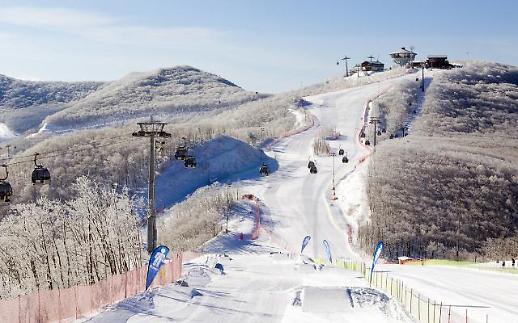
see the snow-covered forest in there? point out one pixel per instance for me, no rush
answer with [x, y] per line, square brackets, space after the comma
[49, 244]
[189, 224]
[19, 94]
[393, 108]
[449, 189]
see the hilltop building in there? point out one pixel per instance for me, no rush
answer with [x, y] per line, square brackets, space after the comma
[438, 61]
[374, 66]
[403, 57]
[371, 65]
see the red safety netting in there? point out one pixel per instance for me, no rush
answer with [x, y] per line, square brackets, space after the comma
[84, 300]
[49, 305]
[9, 310]
[118, 288]
[132, 283]
[67, 305]
[100, 293]
[142, 277]
[29, 307]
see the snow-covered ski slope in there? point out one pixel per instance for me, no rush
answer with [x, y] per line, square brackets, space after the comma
[260, 287]
[298, 200]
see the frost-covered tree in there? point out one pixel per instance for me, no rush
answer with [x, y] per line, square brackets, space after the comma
[50, 244]
[452, 183]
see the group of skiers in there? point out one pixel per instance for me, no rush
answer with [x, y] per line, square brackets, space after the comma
[513, 262]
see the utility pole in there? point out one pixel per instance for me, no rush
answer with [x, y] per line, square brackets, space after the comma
[375, 121]
[333, 182]
[333, 154]
[151, 129]
[422, 77]
[345, 58]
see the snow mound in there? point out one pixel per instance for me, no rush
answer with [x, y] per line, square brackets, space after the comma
[325, 300]
[223, 159]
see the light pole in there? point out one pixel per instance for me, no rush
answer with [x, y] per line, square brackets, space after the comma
[229, 191]
[374, 121]
[333, 181]
[422, 77]
[345, 58]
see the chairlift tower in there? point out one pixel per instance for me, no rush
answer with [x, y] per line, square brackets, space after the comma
[374, 121]
[151, 129]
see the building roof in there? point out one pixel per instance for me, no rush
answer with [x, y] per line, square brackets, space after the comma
[438, 56]
[404, 258]
[372, 63]
[403, 50]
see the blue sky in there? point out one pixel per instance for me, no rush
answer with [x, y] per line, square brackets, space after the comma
[265, 45]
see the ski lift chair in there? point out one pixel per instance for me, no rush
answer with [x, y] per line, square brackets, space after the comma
[362, 134]
[391, 136]
[367, 142]
[341, 151]
[190, 162]
[313, 169]
[5, 188]
[378, 133]
[181, 153]
[311, 164]
[345, 160]
[40, 174]
[264, 170]
[383, 130]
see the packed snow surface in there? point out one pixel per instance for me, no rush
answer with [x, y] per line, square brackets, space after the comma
[260, 283]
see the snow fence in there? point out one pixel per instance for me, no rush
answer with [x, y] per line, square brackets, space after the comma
[420, 307]
[67, 305]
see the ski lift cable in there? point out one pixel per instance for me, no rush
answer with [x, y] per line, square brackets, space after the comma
[66, 151]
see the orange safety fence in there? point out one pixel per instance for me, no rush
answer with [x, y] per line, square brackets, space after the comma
[69, 304]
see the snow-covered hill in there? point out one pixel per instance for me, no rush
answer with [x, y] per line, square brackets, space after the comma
[24, 104]
[165, 92]
[17, 94]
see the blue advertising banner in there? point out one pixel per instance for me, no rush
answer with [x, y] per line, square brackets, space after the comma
[375, 256]
[327, 249]
[305, 243]
[155, 262]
